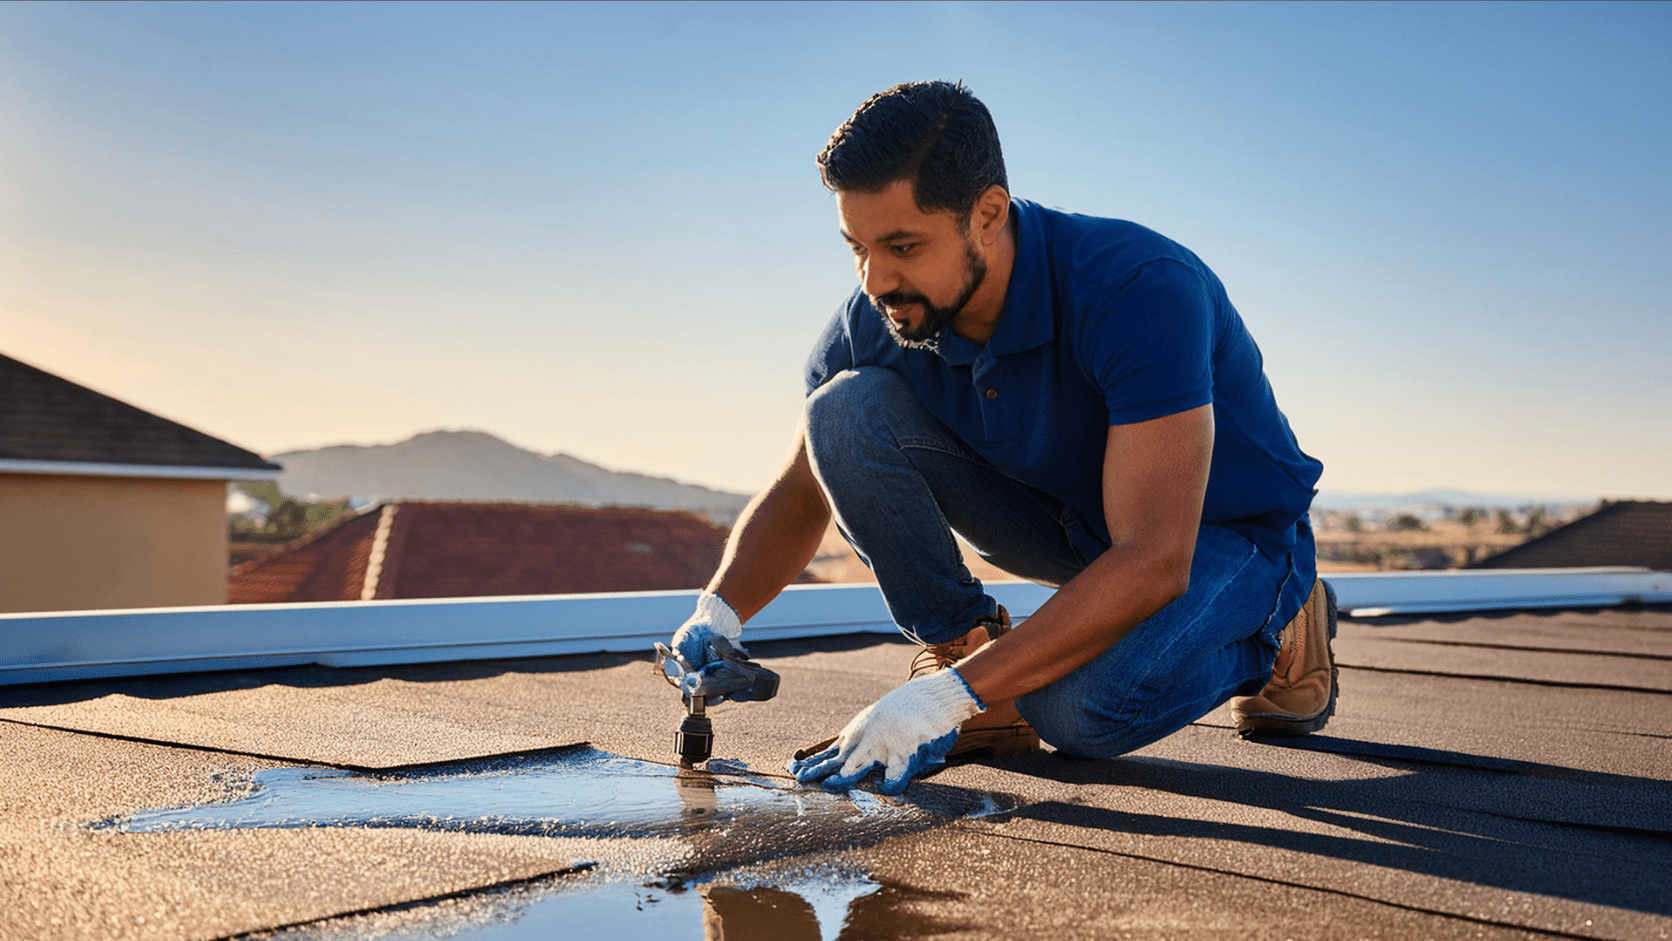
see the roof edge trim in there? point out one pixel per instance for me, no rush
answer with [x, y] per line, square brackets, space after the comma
[76, 645]
[97, 469]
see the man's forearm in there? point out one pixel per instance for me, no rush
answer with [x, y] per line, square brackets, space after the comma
[1087, 616]
[774, 539]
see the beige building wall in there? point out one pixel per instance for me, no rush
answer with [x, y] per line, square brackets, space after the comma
[82, 542]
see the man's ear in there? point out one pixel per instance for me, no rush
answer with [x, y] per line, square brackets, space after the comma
[992, 211]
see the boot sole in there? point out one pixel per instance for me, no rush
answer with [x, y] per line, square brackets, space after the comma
[1010, 740]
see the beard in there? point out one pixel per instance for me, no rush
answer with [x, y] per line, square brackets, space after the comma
[926, 335]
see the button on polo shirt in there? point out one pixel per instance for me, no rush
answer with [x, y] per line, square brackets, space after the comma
[1104, 323]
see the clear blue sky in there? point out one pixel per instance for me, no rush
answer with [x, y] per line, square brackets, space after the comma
[598, 229]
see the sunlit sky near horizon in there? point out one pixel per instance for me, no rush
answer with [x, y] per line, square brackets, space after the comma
[598, 229]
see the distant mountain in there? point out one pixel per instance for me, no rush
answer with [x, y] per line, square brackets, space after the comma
[473, 465]
[1346, 500]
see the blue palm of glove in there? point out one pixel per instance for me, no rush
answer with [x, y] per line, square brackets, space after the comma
[826, 765]
[902, 735]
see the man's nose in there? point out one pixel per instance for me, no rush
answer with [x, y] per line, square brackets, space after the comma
[877, 277]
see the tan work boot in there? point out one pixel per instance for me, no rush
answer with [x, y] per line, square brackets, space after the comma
[1001, 728]
[1301, 695]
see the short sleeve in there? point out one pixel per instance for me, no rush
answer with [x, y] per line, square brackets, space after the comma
[833, 353]
[1149, 347]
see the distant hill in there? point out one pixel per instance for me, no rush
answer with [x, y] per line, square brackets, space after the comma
[473, 465]
[1344, 500]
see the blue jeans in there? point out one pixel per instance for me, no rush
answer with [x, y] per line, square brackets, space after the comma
[900, 482]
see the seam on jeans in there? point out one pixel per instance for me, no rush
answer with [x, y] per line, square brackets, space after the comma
[1277, 602]
[1271, 641]
[956, 449]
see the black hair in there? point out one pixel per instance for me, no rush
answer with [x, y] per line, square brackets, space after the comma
[935, 134]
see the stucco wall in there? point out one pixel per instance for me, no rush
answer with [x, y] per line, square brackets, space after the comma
[73, 542]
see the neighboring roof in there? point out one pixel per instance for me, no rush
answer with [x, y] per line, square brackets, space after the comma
[1629, 532]
[421, 549]
[1502, 776]
[68, 428]
[327, 565]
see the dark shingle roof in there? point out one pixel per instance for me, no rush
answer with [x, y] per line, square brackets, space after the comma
[47, 418]
[461, 550]
[1630, 532]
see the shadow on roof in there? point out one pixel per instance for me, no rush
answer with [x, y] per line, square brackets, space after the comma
[1516, 825]
[178, 685]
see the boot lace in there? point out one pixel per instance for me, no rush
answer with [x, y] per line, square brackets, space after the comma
[935, 657]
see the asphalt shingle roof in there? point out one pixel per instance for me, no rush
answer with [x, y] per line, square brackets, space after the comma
[47, 418]
[1629, 532]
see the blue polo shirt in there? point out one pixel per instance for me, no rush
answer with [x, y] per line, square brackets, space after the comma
[1105, 323]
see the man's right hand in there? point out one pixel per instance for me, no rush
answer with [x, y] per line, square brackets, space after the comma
[714, 618]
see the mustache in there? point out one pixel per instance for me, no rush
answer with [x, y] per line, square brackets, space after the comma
[899, 299]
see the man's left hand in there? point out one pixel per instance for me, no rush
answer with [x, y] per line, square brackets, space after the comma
[905, 733]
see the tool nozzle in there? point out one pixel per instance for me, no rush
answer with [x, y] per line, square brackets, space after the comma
[694, 742]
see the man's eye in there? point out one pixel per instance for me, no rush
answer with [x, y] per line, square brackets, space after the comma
[905, 249]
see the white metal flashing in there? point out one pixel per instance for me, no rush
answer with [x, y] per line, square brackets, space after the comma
[96, 469]
[73, 645]
[1381, 593]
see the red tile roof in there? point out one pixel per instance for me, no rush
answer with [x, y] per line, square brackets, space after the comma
[46, 418]
[455, 549]
[1630, 532]
[328, 565]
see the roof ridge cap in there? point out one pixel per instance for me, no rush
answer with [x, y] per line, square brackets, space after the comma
[379, 559]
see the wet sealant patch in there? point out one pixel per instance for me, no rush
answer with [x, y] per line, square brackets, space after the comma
[726, 823]
[583, 792]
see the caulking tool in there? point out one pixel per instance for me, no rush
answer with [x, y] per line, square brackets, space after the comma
[730, 674]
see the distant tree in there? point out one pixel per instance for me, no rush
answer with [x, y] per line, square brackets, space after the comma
[1506, 522]
[321, 513]
[288, 520]
[1406, 522]
[1469, 517]
[1354, 524]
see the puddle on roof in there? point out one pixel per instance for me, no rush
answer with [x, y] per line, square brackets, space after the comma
[816, 904]
[724, 826]
[580, 792]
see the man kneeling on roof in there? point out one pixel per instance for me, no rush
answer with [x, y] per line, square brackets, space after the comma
[1078, 399]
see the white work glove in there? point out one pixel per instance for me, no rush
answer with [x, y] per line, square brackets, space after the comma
[905, 733]
[713, 618]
